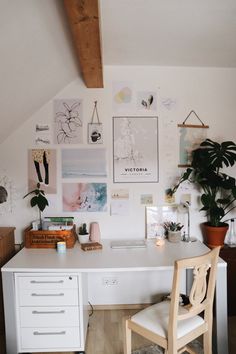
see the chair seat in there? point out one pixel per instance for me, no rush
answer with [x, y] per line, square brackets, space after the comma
[155, 318]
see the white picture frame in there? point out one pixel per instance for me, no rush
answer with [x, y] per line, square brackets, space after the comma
[95, 133]
[135, 149]
[156, 216]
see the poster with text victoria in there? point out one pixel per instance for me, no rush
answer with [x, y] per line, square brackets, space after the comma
[135, 149]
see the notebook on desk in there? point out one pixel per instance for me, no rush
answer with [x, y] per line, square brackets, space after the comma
[128, 244]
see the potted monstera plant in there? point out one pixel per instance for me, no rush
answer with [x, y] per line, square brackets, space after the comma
[218, 189]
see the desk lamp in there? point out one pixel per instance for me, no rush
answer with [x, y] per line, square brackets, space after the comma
[183, 207]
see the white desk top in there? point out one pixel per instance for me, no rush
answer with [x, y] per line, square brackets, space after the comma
[75, 260]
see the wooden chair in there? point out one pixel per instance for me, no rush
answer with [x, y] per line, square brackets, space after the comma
[172, 326]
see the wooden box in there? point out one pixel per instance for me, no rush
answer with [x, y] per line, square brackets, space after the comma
[49, 238]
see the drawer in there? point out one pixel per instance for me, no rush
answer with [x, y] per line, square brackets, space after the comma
[49, 316]
[56, 297]
[50, 338]
[48, 282]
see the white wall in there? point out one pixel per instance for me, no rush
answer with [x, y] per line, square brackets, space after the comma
[211, 92]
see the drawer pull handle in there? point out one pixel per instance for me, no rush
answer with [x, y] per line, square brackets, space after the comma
[36, 333]
[47, 281]
[47, 312]
[34, 294]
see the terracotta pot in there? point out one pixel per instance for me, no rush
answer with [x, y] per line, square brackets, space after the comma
[215, 235]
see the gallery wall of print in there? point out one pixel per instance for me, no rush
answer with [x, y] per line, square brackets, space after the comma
[167, 93]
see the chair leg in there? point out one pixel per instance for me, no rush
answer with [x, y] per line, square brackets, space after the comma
[207, 342]
[127, 342]
[188, 350]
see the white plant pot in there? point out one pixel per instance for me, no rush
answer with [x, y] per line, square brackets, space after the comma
[83, 238]
[174, 236]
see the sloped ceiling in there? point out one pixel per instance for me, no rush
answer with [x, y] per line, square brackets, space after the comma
[37, 57]
[36, 60]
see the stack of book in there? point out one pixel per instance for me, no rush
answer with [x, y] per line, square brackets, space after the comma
[58, 223]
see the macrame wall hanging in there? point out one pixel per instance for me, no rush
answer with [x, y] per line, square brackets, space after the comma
[191, 135]
[95, 134]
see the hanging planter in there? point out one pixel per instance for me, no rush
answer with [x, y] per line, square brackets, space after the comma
[95, 134]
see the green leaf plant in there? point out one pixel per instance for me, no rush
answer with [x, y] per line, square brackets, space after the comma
[83, 229]
[38, 200]
[218, 189]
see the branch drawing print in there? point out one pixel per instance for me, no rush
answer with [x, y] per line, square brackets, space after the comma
[68, 120]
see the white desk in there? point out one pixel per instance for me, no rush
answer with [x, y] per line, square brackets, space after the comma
[75, 260]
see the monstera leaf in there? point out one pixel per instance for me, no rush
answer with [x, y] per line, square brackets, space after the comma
[218, 189]
[219, 154]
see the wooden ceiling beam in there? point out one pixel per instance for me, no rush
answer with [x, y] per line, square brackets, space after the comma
[83, 18]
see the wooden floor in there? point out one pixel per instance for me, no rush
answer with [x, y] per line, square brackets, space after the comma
[107, 337]
[105, 334]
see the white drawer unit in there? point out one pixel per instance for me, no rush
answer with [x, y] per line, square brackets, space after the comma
[52, 316]
[49, 337]
[50, 312]
[50, 297]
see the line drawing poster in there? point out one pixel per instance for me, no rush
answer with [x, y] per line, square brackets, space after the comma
[68, 121]
[135, 149]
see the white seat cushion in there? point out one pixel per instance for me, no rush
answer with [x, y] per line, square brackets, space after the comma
[155, 318]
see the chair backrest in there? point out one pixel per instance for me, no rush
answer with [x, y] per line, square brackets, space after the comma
[202, 291]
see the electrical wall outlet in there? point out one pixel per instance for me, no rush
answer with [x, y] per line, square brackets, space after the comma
[109, 281]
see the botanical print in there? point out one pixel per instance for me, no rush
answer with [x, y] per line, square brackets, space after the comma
[68, 121]
[84, 197]
[147, 100]
[42, 169]
[189, 139]
[84, 163]
[135, 149]
[122, 96]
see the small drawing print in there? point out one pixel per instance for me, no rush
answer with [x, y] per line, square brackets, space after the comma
[95, 135]
[147, 100]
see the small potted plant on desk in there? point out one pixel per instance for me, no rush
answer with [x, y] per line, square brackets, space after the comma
[83, 234]
[218, 188]
[173, 231]
[38, 200]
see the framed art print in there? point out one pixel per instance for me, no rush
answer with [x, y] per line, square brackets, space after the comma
[135, 149]
[156, 216]
[95, 135]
